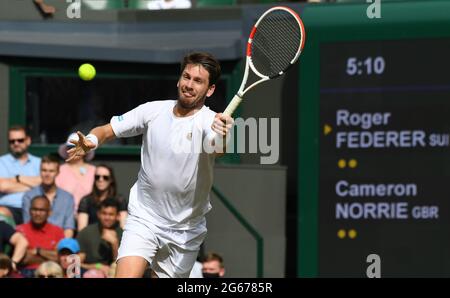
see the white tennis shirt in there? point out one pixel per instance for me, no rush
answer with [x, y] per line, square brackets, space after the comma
[174, 180]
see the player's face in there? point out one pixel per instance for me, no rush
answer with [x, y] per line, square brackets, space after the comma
[49, 171]
[18, 142]
[193, 86]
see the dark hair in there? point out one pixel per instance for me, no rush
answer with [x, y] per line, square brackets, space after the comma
[17, 128]
[212, 256]
[5, 262]
[112, 188]
[40, 197]
[109, 202]
[50, 159]
[207, 61]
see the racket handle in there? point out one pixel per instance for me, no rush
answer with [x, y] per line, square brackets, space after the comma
[232, 106]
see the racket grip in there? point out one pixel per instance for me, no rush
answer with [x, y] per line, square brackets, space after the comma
[232, 106]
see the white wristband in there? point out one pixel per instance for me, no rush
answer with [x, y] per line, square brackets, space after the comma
[93, 138]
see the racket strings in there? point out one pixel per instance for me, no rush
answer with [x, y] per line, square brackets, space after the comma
[283, 45]
[275, 43]
[289, 28]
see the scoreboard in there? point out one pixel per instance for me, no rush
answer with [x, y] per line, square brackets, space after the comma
[374, 143]
[384, 169]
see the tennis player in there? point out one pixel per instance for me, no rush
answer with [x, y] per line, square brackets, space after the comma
[167, 205]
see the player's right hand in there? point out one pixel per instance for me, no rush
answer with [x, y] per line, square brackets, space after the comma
[222, 124]
[82, 147]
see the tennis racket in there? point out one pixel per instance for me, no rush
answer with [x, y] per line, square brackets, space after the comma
[275, 43]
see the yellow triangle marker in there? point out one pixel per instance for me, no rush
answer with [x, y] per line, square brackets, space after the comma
[327, 129]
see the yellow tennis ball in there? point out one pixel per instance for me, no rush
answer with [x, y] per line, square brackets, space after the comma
[86, 72]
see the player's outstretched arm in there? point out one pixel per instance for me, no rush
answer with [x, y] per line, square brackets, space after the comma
[95, 138]
[103, 133]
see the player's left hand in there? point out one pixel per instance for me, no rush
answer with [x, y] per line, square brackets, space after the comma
[222, 124]
[82, 147]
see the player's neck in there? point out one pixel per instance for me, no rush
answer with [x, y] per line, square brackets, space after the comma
[179, 111]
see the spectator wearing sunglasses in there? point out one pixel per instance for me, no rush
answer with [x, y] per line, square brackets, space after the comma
[105, 186]
[19, 172]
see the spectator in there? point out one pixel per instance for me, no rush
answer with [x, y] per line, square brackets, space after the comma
[49, 269]
[42, 236]
[105, 186]
[5, 266]
[6, 216]
[169, 4]
[75, 177]
[19, 244]
[68, 247]
[94, 273]
[99, 242]
[61, 201]
[213, 266]
[19, 172]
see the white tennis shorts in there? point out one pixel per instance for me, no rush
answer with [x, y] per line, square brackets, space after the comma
[170, 253]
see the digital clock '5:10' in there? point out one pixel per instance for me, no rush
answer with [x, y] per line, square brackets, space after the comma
[367, 66]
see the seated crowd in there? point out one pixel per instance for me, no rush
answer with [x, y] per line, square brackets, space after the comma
[63, 220]
[57, 220]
